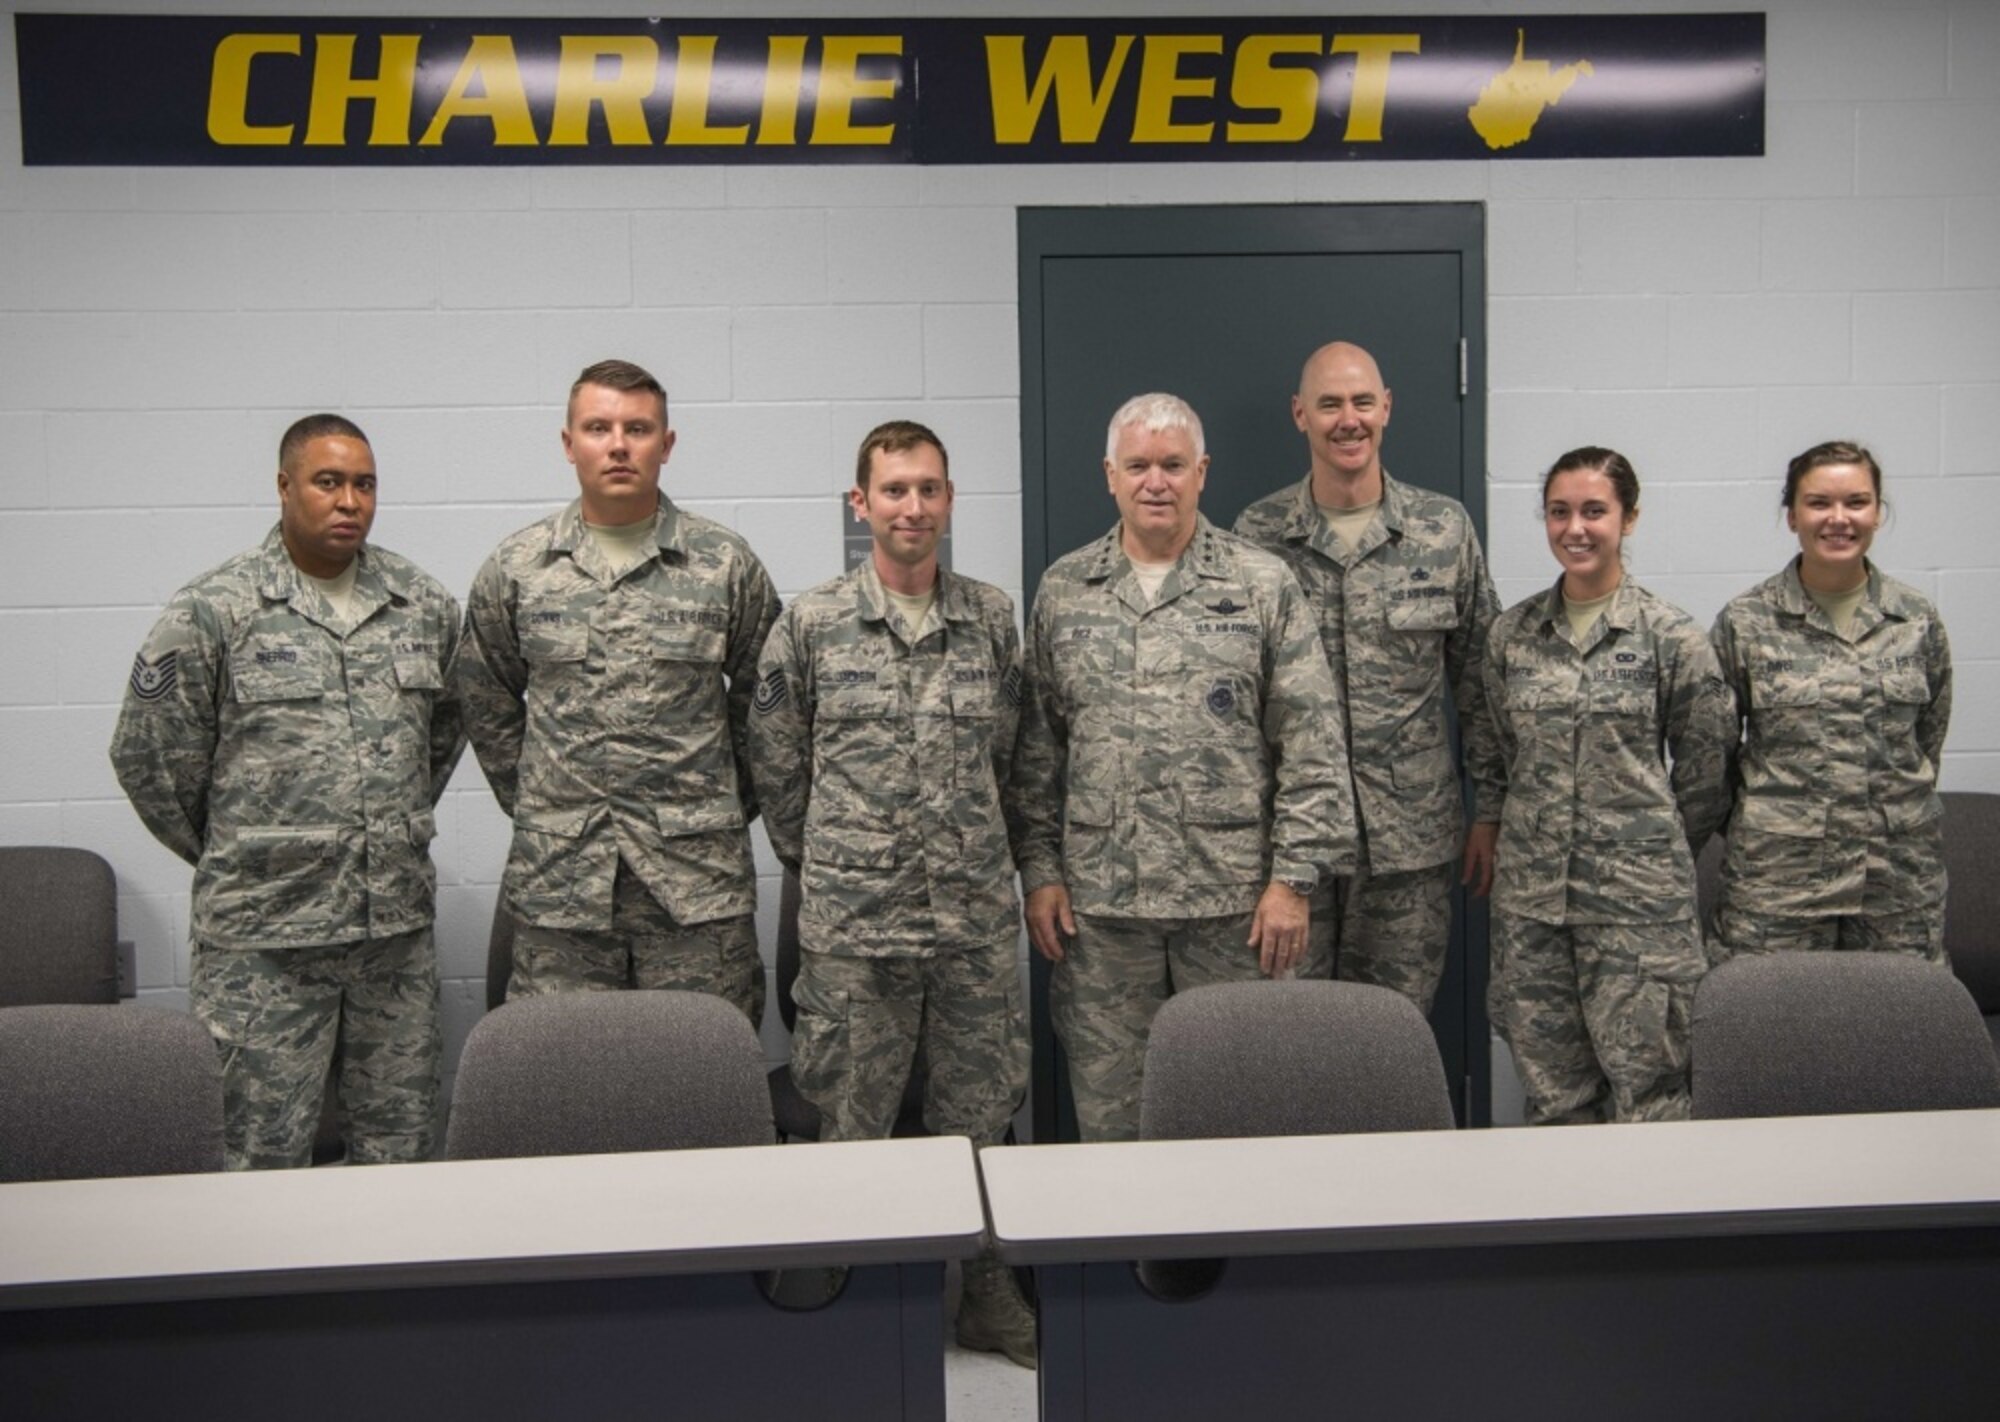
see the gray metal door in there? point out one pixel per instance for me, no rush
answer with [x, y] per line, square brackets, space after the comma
[1221, 305]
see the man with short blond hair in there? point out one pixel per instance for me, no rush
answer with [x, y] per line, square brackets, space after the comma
[610, 653]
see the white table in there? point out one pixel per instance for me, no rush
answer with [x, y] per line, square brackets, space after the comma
[1809, 1267]
[579, 1286]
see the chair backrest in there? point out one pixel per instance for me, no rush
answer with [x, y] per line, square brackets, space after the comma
[1708, 882]
[94, 1090]
[499, 954]
[587, 1073]
[1816, 1034]
[58, 926]
[1291, 1058]
[785, 965]
[1972, 907]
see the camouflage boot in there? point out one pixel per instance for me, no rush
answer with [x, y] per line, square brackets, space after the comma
[992, 1316]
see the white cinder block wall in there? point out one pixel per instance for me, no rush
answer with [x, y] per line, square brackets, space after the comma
[160, 327]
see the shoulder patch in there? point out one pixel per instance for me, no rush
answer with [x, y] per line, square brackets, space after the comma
[771, 692]
[1010, 686]
[156, 678]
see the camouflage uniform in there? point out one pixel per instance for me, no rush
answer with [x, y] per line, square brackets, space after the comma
[879, 761]
[1596, 947]
[598, 705]
[294, 760]
[1174, 759]
[1401, 617]
[1836, 840]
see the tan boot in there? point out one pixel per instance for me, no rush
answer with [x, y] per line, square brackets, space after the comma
[992, 1315]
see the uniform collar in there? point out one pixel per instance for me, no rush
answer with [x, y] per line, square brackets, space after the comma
[1620, 614]
[1881, 600]
[280, 580]
[1304, 523]
[1207, 555]
[669, 530]
[953, 603]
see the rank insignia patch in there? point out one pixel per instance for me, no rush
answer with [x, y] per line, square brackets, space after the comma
[770, 693]
[153, 679]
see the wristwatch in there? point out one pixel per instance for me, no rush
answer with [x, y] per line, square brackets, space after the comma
[1302, 887]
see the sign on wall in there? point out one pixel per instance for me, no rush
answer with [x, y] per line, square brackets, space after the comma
[243, 90]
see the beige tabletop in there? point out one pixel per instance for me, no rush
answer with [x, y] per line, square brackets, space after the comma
[1306, 1194]
[485, 1221]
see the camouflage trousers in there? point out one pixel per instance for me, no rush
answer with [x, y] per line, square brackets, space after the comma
[1391, 930]
[1597, 1016]
[645, 947]
[1918, 931]
[1111, 981]
[279, 1016]
[863, 1022]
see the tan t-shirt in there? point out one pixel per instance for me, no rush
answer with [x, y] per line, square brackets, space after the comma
[1582, 614]
[1152, 576]
[338, 590]
[916, 609]
[1349, 524]
[624, 545]
[1840, 607]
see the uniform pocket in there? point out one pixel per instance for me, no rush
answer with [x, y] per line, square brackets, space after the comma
[553, 636]
[707, 852]
[1784, 709]
[283, 882]
[819, 1039]
[851, 848]
[1436, 613]
[265, 671]
[1777, 838]
[1225, 835]
[689, 644]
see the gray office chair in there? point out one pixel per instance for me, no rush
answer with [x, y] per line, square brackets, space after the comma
[1708, 883]
[1291, 1058]
[589, 1073]
[499, 954]
[1972, 909]
[96, 1090]
[1814, 1034]
[58, 926]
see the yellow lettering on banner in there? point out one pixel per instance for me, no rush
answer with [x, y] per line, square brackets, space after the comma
[784, 77]
[622, 96]
[334, 87]
[1291, 91]
[229, 90]
[841, 87]
[1371, 80]
[1161, 82]
[1081, 101]
[694, 81]
[489, 62]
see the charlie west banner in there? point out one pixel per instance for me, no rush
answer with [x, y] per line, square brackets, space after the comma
[246, 90]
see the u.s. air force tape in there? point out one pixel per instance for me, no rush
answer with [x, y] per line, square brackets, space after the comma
[153, 679]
